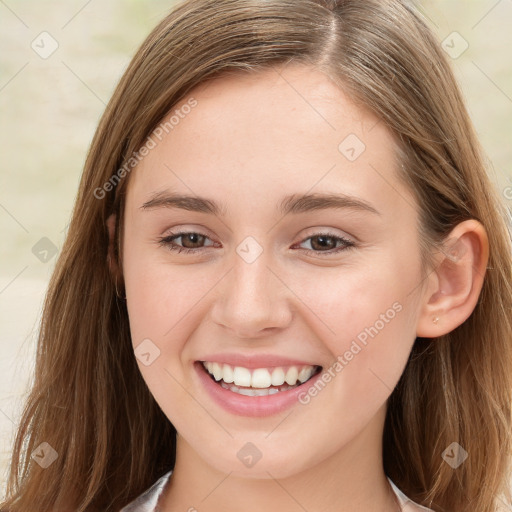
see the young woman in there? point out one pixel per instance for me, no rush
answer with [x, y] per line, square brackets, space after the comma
[286, 283]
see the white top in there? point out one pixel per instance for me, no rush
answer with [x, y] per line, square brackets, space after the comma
[147, 501]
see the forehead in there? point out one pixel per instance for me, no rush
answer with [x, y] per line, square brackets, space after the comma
[255, 138]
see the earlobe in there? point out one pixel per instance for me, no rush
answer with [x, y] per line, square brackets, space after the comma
[456, 282]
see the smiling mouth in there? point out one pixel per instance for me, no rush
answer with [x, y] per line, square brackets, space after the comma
[259, 381]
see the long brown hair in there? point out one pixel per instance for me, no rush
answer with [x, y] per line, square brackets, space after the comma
[89, 401]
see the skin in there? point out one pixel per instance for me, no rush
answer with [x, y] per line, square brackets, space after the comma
[249, 142]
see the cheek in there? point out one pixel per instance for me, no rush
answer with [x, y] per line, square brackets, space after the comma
[369, 315]
[162, 309]
[350, 299]
[160, 297]
[165, 305]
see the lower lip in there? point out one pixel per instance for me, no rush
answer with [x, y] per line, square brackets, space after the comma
[254, 406]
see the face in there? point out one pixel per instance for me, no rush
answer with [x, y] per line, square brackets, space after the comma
[276, 308]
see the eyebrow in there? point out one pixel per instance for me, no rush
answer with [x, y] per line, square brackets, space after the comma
[294, 204]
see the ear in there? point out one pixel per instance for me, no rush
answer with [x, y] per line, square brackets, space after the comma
[113, 264]
[455, 284]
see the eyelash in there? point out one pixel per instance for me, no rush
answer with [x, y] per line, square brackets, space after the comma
[168, 242]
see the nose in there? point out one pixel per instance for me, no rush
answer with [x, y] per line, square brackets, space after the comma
[253, 300]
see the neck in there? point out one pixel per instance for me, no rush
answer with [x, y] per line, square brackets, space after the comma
[350, 480]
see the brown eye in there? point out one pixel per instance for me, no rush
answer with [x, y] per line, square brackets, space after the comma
[323, 242]
[327, 243]
[191, 242]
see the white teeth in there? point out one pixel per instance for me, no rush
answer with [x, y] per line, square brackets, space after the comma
[278, 377]
[292, 375]
[217, 371]
[259, 380]
[306, 373]
[254, 392]
[241, 376]
[228, 374]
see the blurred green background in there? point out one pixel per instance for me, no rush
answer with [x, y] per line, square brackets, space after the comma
[50, 108]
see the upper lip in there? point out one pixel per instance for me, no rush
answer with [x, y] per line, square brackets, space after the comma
[256, 361]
